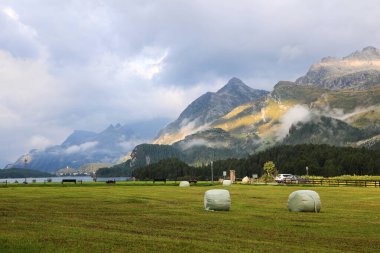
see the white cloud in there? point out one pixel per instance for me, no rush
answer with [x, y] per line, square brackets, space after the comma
[298, 113]
[203, 142]
[7, 117]
[147, 64]
[290, 53]
[82, 147]
[17, 37]
[28, 91]
[40, 142]
[10, 13]
[129, 145]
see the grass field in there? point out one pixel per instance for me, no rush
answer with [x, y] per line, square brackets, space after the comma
[95, 217]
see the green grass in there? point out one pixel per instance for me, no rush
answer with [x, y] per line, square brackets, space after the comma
[129, 217]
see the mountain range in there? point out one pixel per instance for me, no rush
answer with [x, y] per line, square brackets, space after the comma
[337, 102]
[83, 149]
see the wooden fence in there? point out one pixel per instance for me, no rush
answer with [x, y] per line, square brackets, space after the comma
[336, 182]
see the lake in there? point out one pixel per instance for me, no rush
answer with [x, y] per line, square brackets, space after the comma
[59, 179]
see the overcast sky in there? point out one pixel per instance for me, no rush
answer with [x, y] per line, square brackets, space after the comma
[85, 64]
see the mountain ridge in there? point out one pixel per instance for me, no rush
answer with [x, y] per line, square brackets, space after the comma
[86, 147]
[358, 70]
[207, 108]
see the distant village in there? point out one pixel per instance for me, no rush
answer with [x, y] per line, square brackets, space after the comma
[87, 170]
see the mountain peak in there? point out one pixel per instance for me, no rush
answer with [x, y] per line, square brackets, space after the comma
[208, 108]
[234, 80]
[78, 137]
[234, 84]
[359, 70]
[112, 127]
[370, 48]
[368, 53]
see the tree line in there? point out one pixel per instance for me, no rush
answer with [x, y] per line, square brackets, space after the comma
[321, 160]
[22, 172]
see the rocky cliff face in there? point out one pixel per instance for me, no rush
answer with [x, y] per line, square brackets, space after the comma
[358, 70]
[207, 108]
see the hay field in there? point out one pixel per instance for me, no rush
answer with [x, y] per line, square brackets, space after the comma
[129, 217]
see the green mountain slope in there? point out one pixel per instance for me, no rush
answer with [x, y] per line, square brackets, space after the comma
[324, 130]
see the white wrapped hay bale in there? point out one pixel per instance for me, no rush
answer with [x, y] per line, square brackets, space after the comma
[217, 200]
[304, 201]
[184, 184]
[227, 182]
[245, 180]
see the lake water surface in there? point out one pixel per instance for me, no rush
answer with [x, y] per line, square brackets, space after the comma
[59, 179]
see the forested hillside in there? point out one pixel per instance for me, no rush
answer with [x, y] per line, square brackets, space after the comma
[21, 173]
[322, 160]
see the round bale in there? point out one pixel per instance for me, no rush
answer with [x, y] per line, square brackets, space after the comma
[245, 180]
[304, 201]
[184, 184]
[217, 200]
[227, 182]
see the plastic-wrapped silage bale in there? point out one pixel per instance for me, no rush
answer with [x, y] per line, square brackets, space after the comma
[227, 182]
[304, 201]
[217, 200]
[184, 184]
[245, 180]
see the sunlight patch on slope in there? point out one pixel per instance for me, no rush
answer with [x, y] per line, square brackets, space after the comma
[187, 128]
[373, 64]
[264, 119]
[236, 111]
[365, 118]
[168, 139]
[369, 142]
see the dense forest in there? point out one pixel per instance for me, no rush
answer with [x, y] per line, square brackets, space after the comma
[118, 170]
[322, 160]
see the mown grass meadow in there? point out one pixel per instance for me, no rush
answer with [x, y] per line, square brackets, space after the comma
[127, 217]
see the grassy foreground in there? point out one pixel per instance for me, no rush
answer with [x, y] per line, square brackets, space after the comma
[137, 218]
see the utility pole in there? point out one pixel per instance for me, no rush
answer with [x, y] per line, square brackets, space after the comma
[212, 172]
[25, 162]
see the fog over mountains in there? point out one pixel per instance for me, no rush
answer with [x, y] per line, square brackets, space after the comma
[84, 147]
[336, 102]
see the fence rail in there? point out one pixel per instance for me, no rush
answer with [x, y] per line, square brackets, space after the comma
[336, 182]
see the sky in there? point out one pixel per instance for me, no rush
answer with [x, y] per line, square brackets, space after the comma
[86, 64]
